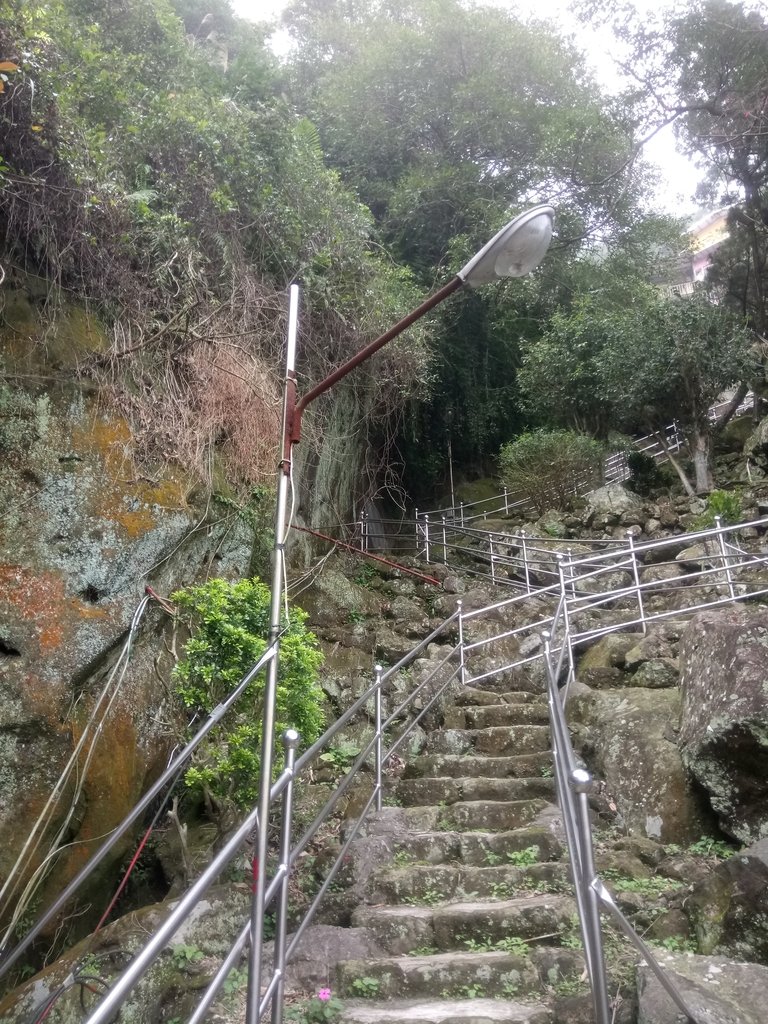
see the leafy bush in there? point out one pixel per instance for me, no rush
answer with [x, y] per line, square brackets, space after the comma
[229, 624]
[549, 466]
[725, 504]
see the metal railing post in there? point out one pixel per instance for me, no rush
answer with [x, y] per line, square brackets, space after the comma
[525, 563]
[290, 744]
[493, 560]
[426, 538]
[379, 745]
[581, 783]
[416, 522]
[365, 531]
[506, 501]
[462, 663]
[566, 616]
[636, 574]
[461, 511]
[445, 545]
[724, 554]
[570, 572]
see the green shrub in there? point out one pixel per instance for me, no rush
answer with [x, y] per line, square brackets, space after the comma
[550, 466]
[229, 624]
[725, 504]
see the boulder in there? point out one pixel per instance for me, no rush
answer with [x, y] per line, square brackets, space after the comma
[656, 674]
[716, 990]
[612, 499]
[729, 908]
[628, 735]
[724, 720]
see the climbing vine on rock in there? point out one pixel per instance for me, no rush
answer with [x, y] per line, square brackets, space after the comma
[228, 625]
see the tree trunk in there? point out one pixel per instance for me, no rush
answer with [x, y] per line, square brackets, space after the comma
[702, 462]
[689, 490]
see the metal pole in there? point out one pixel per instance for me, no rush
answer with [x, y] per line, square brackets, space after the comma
[270, 688]
[445, 544]
[461, 509]
[636, 574]
[566, 619]
[726, 559]
[581, 783]
[416, 526]
[506, 501]
[378, 749]
[462, 663]
[426, 538]
[493, 565]
[290, 744]
[450, 473]
[525, 563]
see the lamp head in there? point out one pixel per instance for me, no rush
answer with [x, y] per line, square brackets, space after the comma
[514, 251]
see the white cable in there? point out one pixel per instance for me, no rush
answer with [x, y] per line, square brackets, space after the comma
[36, 835]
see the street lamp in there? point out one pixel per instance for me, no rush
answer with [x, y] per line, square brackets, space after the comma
[512, 252]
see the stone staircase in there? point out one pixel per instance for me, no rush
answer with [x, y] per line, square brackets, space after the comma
[475, 910]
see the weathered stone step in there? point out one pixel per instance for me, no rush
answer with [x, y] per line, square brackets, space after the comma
[479, 697]
[490, 973]
[477, 848]
[440, 883]
[496, 741]
[448, 1011]
[400, 929]
[533, 713]
[491, 815]
[471, 815]
[451, 790]
[519, 766]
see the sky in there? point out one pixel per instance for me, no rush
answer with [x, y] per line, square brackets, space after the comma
[677, 175]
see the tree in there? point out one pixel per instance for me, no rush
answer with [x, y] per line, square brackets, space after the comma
[446, 119]
[639, 367]
[702, 66]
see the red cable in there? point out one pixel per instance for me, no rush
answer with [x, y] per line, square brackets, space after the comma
[366, 554]
[125, 878]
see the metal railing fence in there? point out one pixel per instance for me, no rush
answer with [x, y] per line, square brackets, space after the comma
[615, 469]
[390, 730]
[619, 580]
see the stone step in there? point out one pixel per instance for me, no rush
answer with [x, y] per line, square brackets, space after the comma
[439, 883]
[520, 766]
[411, 792]
[533, 713]
[448, 1011]
[473, 815]
[401, 929]
[451, 975]
[491, 815]
[469, 695]
[495, 741]
[477, 848]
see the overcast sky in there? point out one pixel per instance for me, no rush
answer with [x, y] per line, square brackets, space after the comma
[679, 177]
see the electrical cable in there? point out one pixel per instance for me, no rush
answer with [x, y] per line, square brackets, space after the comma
[35, 837]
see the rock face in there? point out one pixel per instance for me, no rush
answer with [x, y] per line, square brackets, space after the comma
[724, 721]
[630, 735]
[84, 532]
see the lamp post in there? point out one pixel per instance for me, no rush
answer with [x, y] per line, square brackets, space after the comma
[512, 252]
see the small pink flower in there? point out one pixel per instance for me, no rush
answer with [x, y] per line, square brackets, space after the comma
[324, 995]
